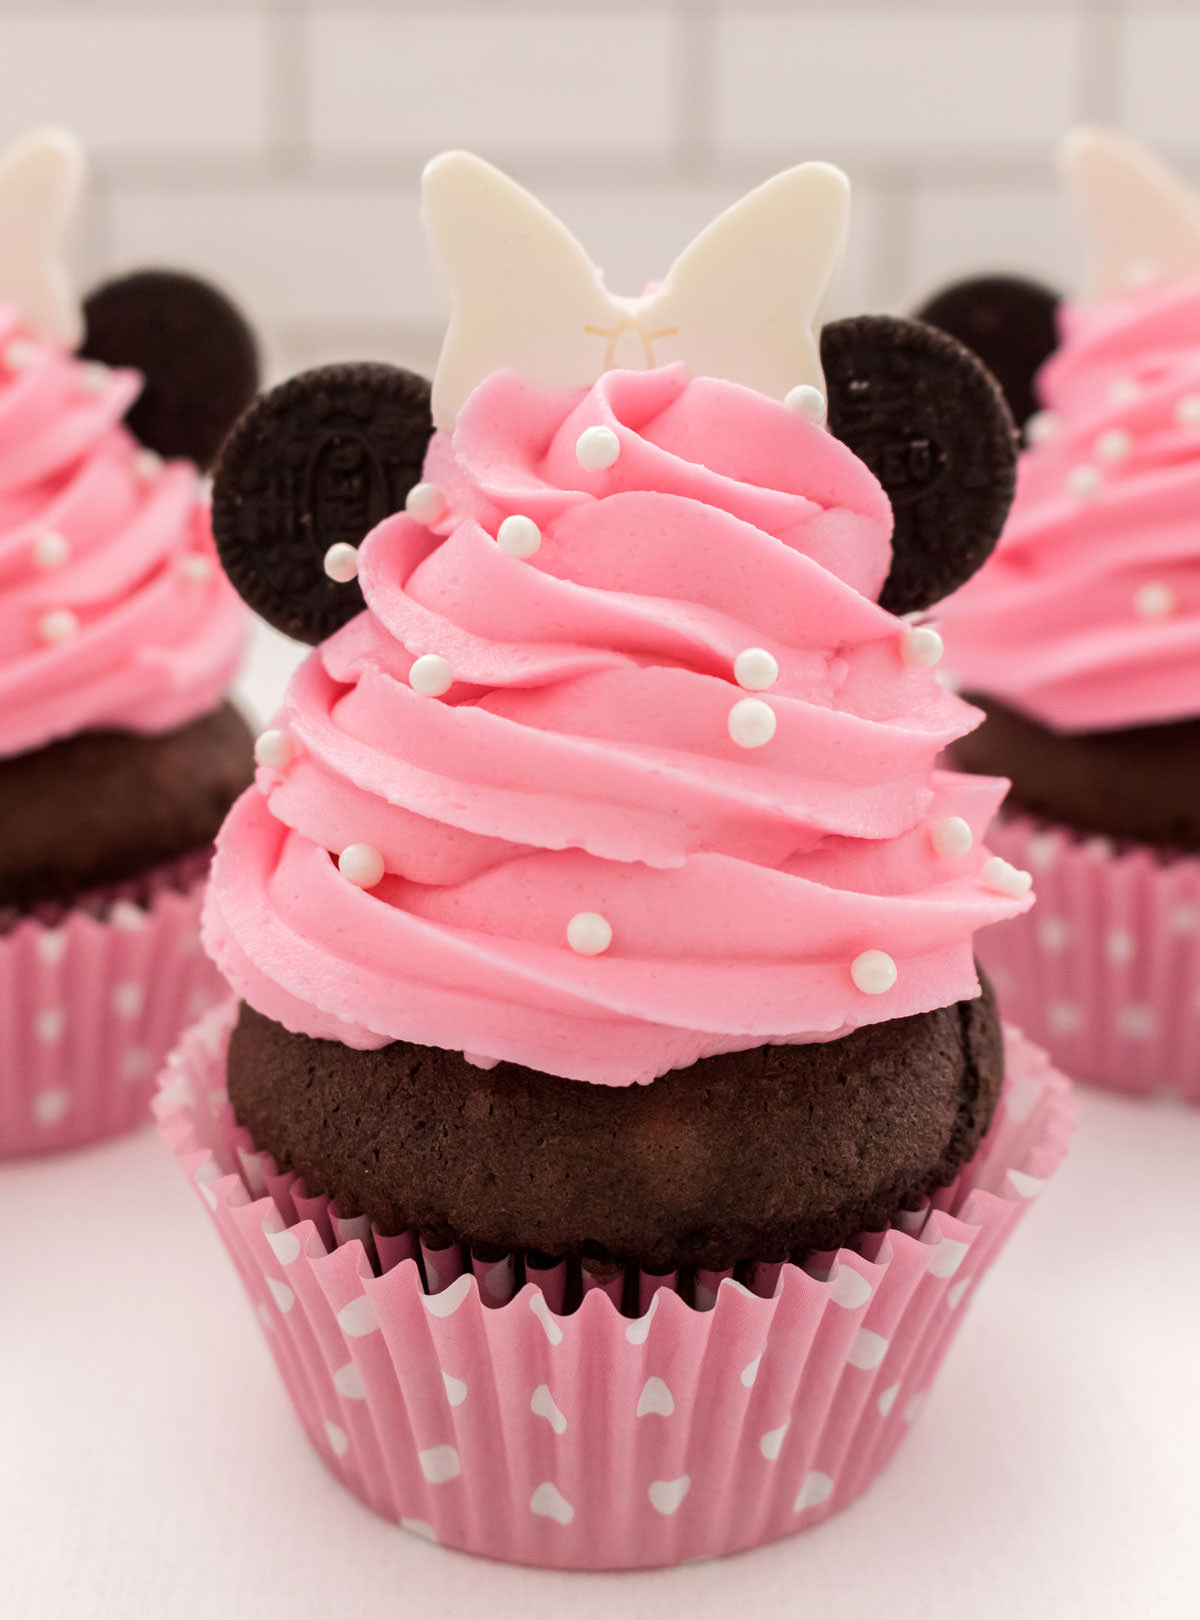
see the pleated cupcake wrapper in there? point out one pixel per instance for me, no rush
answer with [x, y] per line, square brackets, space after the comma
[1104, 972]
[452, 1396]
[91, 1002]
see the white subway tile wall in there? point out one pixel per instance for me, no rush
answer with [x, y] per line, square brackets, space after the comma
[278, 144]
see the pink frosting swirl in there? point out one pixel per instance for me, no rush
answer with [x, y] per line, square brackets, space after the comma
[113, 611]
[1087, 617]
[582, 760]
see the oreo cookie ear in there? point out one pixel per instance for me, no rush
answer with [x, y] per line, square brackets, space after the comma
[930, 422]
[315, 463]
[1010, 322]
[193, 348]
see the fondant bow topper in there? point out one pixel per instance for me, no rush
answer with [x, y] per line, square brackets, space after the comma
[741, 302]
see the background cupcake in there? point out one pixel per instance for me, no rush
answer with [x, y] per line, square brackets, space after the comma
[118, 753]
[602, 925]
[1081, 638]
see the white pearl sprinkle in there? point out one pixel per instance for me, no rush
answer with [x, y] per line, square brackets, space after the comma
[431, 675]
[597, 448]
[362, 865]
[755, 669]
[1187, 411]
[518, 536]
[425, 502]
[1005, 878]
[196, 567]
[51, 550]
[341, 562]
[921, 646]
[589, 934]
[874, 973]
[751, 722]
[1083, 482]
[1123, 390]
[275, 749]
[94, 375]
[1113, 445]
[808, 401]
[19, 354]
[1154, 601]
[1041, 427]
[59, 624]
[952, 837]
[147, 464]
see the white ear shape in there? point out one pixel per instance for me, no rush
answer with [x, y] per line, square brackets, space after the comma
[740, 303]
[1141, 223]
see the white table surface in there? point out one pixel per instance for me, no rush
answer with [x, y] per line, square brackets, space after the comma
[150, 1468]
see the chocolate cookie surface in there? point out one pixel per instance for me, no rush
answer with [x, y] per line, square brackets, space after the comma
[103, 806]
[1142, 783]
[751, 1155]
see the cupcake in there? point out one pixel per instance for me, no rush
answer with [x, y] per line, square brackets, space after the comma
[1081, 637]
[118, 754]
[610, 1119]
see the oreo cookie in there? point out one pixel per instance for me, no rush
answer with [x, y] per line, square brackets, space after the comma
[1010, 322]
[317, 462]
[195, 352]
[931, 423]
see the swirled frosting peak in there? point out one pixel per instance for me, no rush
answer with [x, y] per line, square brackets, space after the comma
[1087, 616]
[623, 766]
[113, 612]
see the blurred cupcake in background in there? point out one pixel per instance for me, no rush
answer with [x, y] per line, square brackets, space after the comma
[119, 754]
[612, 1120]
[1081, 637]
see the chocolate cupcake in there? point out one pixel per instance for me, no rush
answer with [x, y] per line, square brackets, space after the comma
[1081, 639]
[600, 920]
[118, 754]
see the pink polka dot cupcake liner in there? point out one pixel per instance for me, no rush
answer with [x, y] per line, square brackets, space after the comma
[1104, 972]
[520, 1409]
[91, 1001]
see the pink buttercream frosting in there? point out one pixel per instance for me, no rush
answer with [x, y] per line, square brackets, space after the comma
[1087, 617]
[113, 611]
[582, 760]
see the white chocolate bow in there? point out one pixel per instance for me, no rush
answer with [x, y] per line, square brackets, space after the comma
[1141, 223]
[41, 176]
[740, 303]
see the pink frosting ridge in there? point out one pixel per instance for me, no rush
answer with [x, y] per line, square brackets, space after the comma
[113, 610]
[582, 759]
[1087, 617]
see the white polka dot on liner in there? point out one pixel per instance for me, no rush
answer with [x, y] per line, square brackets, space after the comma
[51, 549]
[921, 647]
[952, 837]
[518, 536]
[1041, 427]
[1113, 445]
[589, 934]
[1154, 600]
[1004, 878]
[597, 448]
[1083, 482]
[1187, 411]
[807, 401]
[362, 865]
[425, 502]
[341, 563]
[431, 675]
[752, 723]
[755, 669]
[275, 749]
[874, 972]
[58, 624]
